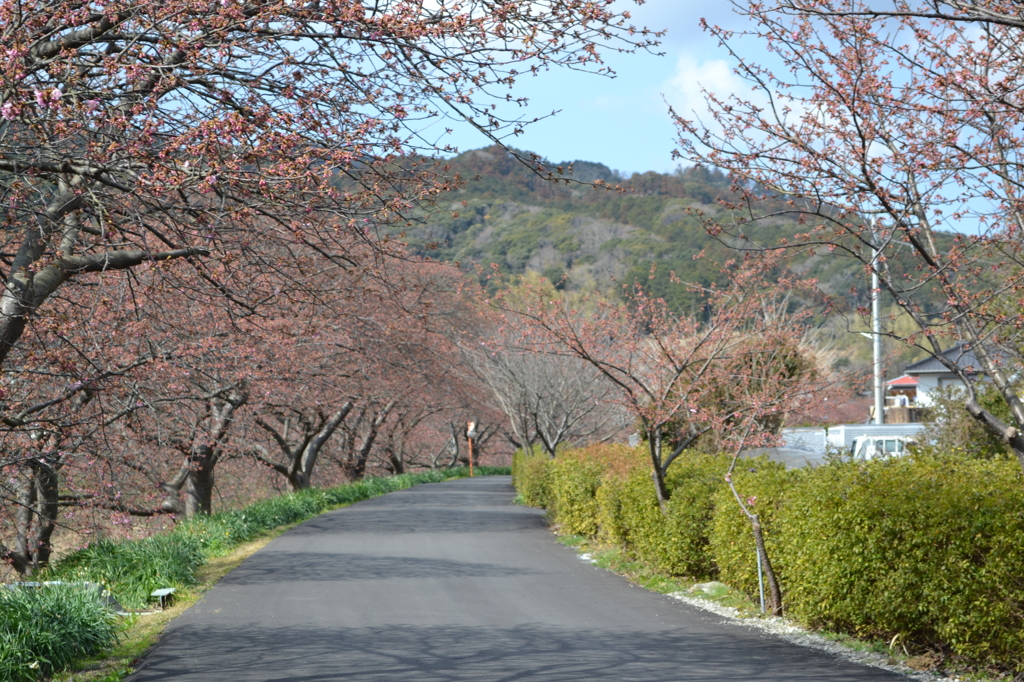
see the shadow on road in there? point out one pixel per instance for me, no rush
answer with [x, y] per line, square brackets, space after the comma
[488, 654]
[421, 519]
[268, 567]
[429, 511]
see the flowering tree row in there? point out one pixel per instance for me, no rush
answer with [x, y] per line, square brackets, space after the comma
[141, 404]
[197, 201]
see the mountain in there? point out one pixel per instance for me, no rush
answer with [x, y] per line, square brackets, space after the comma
[594, 236]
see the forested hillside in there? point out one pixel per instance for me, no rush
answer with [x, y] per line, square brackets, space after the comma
[599, 237]
[507, 215]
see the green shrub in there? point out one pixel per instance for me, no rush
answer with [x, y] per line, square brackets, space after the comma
[573, 484]
[732, 539]
[519, 459]
[693, 480]
[677, 540]
[611, 522]
[643, 525]
[929, 549]
[533, 480]
[46, 629]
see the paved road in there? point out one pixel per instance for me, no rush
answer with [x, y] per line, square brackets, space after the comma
[451, 582]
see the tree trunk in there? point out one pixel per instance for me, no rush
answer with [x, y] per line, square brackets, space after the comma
[774, 591]
[297, 481]
[198, 486]
[21, 555]
[47, 489]
[172, 503]
[21, 295]
[36, 519]
[355, 467]
[1009, 434]
[657, 472]
[396, 460]
[195, 478]
[303, 474]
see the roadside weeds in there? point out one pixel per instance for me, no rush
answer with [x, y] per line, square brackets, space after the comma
[142, 631]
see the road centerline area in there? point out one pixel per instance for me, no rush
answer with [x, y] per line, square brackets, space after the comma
[451, 581]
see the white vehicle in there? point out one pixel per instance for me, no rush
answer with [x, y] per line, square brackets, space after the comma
[878, 447]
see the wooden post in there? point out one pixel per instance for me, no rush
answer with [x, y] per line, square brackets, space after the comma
[470, 435]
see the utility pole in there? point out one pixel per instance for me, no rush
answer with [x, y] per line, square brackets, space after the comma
[876, 326]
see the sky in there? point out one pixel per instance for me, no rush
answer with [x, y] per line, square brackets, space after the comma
[624, 122]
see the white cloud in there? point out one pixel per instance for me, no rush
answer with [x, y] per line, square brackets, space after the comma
[685, 89]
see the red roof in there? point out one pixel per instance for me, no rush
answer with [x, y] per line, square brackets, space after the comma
[902, 381]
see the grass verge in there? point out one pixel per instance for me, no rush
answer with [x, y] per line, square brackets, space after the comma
[142, 631]
[45, 629]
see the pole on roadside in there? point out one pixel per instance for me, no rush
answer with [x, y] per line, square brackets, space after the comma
[760, 577]
[876, 327]
[470, 435]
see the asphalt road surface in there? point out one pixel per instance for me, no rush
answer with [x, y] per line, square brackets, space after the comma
[451, 582]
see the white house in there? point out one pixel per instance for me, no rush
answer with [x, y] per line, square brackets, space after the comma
[931, 375]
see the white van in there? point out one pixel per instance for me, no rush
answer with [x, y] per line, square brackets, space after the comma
[878, 447]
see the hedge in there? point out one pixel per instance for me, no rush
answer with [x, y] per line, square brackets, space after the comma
[676, 540]
[766, 483]
[531, 475]
[924, 548]
[572, 485]
[929, 549]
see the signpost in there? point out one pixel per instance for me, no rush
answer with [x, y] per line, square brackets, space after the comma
[470, 435]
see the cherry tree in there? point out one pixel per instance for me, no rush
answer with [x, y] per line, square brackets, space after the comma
[223, 153]
[893, 132]
[729, 377]
[61, 397]
[228, 135]
[734, 372]
[549, 399]
[182, 414]
[151, 397]
[300, 437]
[363, 380]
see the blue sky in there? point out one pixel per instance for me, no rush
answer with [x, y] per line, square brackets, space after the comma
[624, 122]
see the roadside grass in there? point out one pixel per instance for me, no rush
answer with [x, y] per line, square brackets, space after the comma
[141, 632]
[191, 558]
[46, 629]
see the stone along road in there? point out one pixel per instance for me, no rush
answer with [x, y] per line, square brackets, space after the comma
[451, 582]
